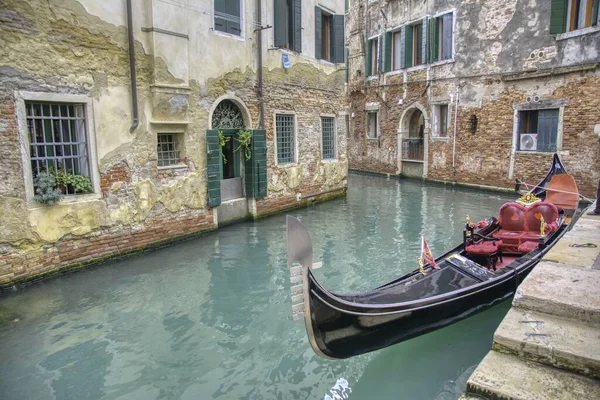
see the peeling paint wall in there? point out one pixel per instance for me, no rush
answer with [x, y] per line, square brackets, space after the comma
[503, 56]
[183, 67]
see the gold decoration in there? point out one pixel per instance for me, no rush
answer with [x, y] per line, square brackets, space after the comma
[528, 199]
[543, 226]
[421, 269]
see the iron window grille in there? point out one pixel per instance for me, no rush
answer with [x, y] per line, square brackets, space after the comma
[328, 141]
[285, 129]
[57, 139]
[168, 149]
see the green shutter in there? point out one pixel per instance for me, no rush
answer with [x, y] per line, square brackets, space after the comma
[403, 47]
[558, 16]
[256, 166]
[388, 52]
[424, 40]
[369, 58]
[408, 46]
[347, 64]
[433, 40]
[280, 23]
[213, 166]
[380, 54]
[338, 39]
[318, 34]
[297, 26]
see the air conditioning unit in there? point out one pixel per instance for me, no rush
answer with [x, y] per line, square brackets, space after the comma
[528, 142]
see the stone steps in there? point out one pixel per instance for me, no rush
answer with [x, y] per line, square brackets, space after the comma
[501, 376]
[550, 340]
[561, 290]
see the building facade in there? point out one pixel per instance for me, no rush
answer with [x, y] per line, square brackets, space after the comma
[154, 119]
[475, 92]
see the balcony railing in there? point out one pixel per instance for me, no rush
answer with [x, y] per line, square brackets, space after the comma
[412, 149]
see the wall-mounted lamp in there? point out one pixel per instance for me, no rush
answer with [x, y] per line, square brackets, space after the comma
[473, 120]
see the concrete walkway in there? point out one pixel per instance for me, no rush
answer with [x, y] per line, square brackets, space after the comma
[548, 345]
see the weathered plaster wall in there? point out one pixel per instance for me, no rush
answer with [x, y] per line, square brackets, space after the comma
[81, 47]
[500, 47]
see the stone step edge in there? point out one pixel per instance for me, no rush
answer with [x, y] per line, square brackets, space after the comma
[502, 376]
[557, 308]
[550, 353]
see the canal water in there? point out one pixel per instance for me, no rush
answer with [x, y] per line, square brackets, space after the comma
[210, 318]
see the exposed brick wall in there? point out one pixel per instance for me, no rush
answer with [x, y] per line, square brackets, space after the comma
[119, 173]
[11, 172]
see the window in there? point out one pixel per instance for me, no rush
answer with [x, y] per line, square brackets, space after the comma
[58, 140]
[582, 14]
[372, 125]
[538, 130]
[397, 50]
[328, 137]
[373, 57]
[417, 58]
[169, 149]
[440, 120]
[285, 130]
[228, 16]
[444, 37]
[287, 22]
[571, 15]
[329, 36]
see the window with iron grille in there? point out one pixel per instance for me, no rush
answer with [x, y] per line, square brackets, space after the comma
[169, 149]
[285, 131]
[58, 141]
[328, 140]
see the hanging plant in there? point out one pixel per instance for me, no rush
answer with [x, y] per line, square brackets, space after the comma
[243, 139]
[223, 140]
[45, 189]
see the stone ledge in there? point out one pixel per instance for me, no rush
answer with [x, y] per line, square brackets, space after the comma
[502, 376]
[550, 340]
[566, 291]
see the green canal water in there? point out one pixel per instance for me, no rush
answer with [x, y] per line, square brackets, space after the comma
[210, 318]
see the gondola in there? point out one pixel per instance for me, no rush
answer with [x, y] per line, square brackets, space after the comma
[469, 279]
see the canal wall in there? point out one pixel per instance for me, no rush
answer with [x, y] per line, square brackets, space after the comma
[548, 345]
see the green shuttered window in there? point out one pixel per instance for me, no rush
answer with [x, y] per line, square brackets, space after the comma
[256, 167]
[287, 23]
[329, 36]
[213, 161]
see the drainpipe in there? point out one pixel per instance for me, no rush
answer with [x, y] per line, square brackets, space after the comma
[134, 100]
[261, 120]
[455, 128]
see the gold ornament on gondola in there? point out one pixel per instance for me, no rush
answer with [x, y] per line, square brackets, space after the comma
[543, 226]
[528, 199]
[421, 269]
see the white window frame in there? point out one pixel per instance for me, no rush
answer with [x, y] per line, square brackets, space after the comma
[242, 35]
[451, 59]
[335, 137]
[296, 150]
[377, 134]
[591, 27]
[435, 131]
[558, 104]
[20, 98]
[376, 59]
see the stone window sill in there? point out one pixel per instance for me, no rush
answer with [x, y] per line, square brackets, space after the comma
[329, 160]
[286, 165]
[443, 62]
[174, 166]
[229, 35]
[71, 199]
[440, 139]
[578, 32]
[534, 152]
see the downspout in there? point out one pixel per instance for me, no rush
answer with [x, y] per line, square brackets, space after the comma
[134, 100]
[261, 120]
[455, 128]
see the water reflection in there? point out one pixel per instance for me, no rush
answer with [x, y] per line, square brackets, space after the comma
[211, 318]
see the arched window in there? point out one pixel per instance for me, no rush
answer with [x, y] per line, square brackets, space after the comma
[227, 115]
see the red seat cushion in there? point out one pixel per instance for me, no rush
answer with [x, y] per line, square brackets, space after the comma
[539, 210]
[526, 247]
[508, 237]
[529, 236]
[484, 248]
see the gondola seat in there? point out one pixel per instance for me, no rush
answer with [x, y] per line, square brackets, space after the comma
[519, 224]
[488, 249]
[527, 247]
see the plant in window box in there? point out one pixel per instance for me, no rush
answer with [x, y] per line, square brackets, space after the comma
[223, 140]
[243, 139]
[45, 189]
[69, 183]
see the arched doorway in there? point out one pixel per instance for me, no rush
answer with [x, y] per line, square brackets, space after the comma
[412, 141]
[412, 146]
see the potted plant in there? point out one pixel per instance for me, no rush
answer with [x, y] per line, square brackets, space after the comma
[45, 189]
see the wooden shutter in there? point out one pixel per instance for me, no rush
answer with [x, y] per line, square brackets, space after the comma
[424, 41]
[547, 130]
[403, 47]
[558, 16]
[380, 54]
[256, 166]
[447, 36]
[337, 41]
[408, 46]
[347, 64]
[369, 58]
[297, 25]
[280, 23]
[318, 34]
[388, 52]
[213, 164]
[433, 40]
